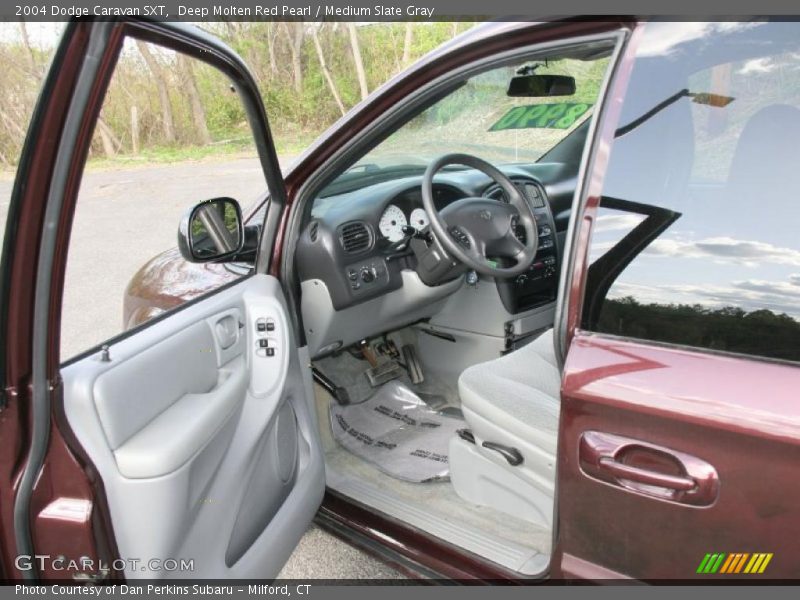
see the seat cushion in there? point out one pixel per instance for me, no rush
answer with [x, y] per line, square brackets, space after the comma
[518, 393]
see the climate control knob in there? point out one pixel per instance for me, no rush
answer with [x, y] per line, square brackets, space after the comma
[367, 276]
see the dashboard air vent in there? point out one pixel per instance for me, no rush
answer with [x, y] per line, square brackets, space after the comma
[529, 190]
[355, 237]
[313, 230]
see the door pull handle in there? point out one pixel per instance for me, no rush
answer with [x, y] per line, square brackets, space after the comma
[612, 459]
[646, 476]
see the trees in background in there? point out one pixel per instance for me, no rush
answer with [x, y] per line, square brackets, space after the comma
[326, 72]
[309, 75]
[760, 332]
[19, 84]
[357, 60]
[296, 33]
[189, 84]
[160, 78]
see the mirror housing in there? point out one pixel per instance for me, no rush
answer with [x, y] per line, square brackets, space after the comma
[538, 86]
[211, 231]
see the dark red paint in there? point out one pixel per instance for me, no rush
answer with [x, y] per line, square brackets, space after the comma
[648, 469]
[65, 481]
[167, 281]
[738, 415]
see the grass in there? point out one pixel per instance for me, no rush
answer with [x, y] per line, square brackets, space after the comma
[286, 145]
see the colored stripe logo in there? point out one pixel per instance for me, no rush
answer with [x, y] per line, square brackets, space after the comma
[734, 563]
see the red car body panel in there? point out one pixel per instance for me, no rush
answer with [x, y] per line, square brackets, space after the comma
[739, 415]
[165, 282]
[65, 480]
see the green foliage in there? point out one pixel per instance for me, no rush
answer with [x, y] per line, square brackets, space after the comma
[295, 117]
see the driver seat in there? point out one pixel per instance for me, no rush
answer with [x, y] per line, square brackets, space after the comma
[512, 406]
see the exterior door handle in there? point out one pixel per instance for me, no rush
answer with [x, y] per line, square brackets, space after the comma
[646, 476]
[608, 458]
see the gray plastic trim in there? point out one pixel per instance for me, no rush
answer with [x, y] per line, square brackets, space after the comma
[479, 480]
[479, 309]
[512, 556]
[202, 504]
[179, 433]
[325, 326]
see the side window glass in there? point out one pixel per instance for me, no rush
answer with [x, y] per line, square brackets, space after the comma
[171, 134]
[696, 240]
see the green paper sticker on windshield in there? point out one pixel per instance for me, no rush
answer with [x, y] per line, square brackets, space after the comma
[542, 116]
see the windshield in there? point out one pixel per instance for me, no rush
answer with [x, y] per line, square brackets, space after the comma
[480, 118]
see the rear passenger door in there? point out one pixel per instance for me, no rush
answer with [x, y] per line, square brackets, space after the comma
[680, 428]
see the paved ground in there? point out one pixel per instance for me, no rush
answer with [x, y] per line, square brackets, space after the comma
[125, 217]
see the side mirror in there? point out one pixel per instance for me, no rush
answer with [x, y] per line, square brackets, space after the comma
[211, 231]
[536, 86]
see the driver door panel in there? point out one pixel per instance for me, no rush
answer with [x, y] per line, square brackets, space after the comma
[200, 459]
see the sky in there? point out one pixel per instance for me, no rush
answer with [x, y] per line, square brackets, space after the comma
[736, 240]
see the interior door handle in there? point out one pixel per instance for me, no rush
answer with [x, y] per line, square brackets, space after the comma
[606, 456]
[227, 331]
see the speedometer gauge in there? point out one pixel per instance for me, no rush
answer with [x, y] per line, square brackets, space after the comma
[392, 222]
[419, 218]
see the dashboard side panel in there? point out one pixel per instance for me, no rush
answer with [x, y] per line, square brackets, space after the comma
[328, 330]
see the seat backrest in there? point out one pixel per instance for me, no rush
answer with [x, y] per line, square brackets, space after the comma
[763, 180]
[767, 155]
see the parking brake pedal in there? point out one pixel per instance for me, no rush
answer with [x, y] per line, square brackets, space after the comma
[412, 364]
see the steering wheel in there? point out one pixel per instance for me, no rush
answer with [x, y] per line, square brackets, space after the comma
[473, 229]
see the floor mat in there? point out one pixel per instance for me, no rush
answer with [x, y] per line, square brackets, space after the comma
[398, 433]
[347, 371]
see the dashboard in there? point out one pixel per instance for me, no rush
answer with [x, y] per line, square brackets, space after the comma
[353, 241]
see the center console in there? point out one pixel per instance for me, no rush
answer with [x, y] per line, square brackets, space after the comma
[538, 286]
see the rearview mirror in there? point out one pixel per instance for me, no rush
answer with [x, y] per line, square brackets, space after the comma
[211, 231]
[535, 86]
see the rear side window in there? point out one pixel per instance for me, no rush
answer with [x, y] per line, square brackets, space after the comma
[696, 241]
